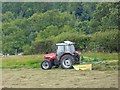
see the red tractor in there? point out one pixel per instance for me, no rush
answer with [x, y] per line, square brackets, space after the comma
[65, 56]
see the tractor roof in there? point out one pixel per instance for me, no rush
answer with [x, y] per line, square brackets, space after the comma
[61, 44]
[65, 43]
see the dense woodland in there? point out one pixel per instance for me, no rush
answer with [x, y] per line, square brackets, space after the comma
[36, 27]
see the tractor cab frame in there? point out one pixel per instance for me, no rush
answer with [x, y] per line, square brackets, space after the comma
[64, 48]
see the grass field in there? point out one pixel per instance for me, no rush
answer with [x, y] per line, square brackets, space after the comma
[24, 72]
[104, 56]
[27, 61]
[33, 61]
[58, 78]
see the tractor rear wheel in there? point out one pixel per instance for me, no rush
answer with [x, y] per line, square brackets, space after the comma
[67, 62]
[46, 64]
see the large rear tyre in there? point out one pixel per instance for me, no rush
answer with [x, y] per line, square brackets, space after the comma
[67, 62]
[46, 64]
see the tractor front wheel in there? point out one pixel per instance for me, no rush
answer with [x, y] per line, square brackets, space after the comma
[46, 64]
[67, 62]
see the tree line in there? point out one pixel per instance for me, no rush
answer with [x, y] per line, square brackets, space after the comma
[35, 28]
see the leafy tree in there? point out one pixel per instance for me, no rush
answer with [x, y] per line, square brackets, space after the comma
[49, 31]
[35, 27]
[7, 17]
[14, 40]
[106, 40]
[27, 49]
[105, 17]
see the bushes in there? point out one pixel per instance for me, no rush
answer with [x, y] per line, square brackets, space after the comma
[48, 45]
[27, 49]
[81, 40]
[43, 46]
[105, 41]
[100, 41]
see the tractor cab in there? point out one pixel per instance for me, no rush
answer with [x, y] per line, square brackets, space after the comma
[66, 47]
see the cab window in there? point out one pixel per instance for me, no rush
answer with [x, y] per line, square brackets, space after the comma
[60, 49]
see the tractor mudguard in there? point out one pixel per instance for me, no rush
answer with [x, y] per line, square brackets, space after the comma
[66, 54]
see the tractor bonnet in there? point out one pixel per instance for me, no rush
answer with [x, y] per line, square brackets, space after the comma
[50, 56]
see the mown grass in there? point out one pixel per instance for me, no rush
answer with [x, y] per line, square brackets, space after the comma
[33, 61]
[101, 61]
[106, 66]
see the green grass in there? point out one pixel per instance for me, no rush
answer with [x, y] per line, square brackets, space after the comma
[101, 55]
[101, 61]
[29, 61]
[33, 61]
